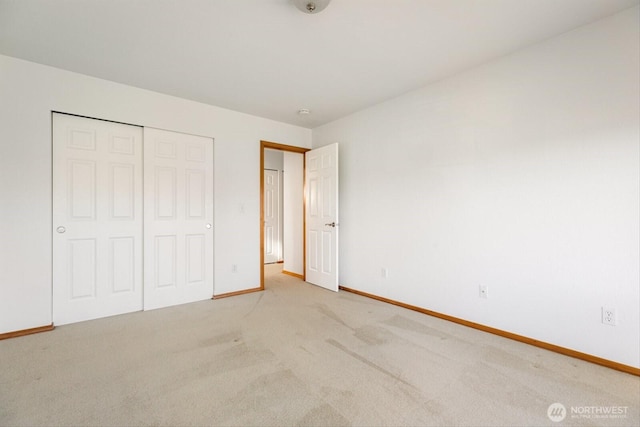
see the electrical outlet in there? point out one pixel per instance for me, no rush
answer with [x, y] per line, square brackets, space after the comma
[609, 316]
[484, 291]
[384, 272]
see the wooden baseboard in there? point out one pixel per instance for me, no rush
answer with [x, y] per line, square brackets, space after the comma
[541, 344]
[233, 294]
[299, 276]
[30, 331]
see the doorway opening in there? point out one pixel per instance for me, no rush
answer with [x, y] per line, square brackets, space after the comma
[294, 255]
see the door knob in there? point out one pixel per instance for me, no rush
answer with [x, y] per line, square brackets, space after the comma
[331, 224]
[209, 225]
[61, 229]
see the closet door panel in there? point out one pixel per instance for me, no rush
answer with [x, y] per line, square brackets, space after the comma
[178, 206]
[97, 218]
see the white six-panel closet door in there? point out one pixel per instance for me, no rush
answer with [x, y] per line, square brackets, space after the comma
[97, 218]
[178, 218]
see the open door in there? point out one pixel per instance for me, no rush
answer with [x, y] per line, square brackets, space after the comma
[321, 191]
[272, 243]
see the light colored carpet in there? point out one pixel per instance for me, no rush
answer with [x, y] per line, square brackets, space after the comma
[297, 355]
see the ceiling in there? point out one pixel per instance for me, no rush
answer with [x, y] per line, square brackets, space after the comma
[266, 58]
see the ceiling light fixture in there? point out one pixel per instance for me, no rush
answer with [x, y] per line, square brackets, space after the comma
[304, 112]
[311, 6]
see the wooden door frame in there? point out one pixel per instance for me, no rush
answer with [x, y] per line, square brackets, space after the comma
[290, 148]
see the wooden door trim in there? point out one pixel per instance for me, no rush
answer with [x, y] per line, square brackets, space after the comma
[292, 149]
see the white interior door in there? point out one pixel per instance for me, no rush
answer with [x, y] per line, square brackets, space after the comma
[178, 218]
[321, 187]
[97, 218]
[271, 216]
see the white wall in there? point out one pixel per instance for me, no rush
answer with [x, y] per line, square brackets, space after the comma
[521, 175]
[28, 94]
[273, 159]
[293, 196]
